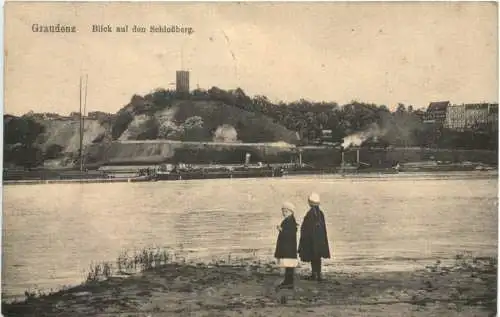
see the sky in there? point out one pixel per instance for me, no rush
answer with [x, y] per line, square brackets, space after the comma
[383, 53]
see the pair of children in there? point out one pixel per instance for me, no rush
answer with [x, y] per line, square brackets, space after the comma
[313, 241]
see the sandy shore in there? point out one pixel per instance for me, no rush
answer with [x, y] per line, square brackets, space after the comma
[464, 289]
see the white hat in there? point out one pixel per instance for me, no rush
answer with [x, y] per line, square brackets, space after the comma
[314, 199]
[289, 206]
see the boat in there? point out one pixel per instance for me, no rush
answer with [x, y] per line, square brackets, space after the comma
[484, 168]
[379, 170]
[307, 170]
[216, 173]
[438, 166]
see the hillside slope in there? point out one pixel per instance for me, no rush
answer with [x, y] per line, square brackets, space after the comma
[201, 116]
[184, 120]
[250, 127]
[66, 133]
[144, 118]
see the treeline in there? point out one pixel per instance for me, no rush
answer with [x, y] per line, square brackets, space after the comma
[20, 148]
[402, 127]
[23, 138]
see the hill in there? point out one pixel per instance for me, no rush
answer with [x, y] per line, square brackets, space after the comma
[199, 120]
[54, 140]
[226, 117]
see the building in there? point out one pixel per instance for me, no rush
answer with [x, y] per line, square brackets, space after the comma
[455, 118]
[182, 81]
[325, 137]
[472, 117]
[482, 116]
[436, 112]
[493, 117]
[476, 116]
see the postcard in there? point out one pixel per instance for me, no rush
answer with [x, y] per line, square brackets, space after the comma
[250, 158]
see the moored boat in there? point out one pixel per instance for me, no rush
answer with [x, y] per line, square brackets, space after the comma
[435, 166]
[217, 172]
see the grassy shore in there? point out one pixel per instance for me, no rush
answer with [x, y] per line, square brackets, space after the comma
[150, 283]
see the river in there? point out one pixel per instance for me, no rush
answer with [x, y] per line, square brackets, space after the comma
[51, 233]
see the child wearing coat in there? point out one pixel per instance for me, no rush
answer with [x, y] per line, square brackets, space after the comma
[286, 245]
[313, 245]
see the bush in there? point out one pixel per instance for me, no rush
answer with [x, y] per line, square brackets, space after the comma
[121, 123]
[150, 130]
[193, 129]
[24, 130]
[22, 155]
[53, 151]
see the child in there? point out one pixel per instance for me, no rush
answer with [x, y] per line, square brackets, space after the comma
[286, 246]
[313, 245]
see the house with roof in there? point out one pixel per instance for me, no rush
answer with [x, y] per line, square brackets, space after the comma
[436, 112]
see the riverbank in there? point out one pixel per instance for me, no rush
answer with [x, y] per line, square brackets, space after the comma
[73, 181]
[354, 174]
[467, 288]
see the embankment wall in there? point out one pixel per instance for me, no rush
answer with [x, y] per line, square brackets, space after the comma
[139, 152]
[379, 157]
[145, 152]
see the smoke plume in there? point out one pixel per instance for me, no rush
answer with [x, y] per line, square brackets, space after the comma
[225, 133]
[356, 139]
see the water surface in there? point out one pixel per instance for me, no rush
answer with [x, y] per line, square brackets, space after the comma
[51, 233]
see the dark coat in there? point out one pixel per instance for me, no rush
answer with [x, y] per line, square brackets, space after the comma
[313, 237]
[286, 246]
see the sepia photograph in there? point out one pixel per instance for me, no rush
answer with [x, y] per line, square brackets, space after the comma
[250, 159]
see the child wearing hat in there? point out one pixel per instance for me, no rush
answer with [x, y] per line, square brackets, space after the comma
[286, 245]
[313, 245]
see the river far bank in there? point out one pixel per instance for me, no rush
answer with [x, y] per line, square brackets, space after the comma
[150, 283]
[72, 179]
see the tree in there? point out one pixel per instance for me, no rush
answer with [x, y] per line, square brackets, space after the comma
[193, 122]
[121, 123]
[401, 109]
[169, 130]
[193, 129]
[53, 151]
[22, 155]
[24, 130]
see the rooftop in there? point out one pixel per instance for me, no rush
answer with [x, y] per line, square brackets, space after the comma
[438, 106]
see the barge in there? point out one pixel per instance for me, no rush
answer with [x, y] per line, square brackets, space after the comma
[216, 173]
[78, 181]
[436, 166]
